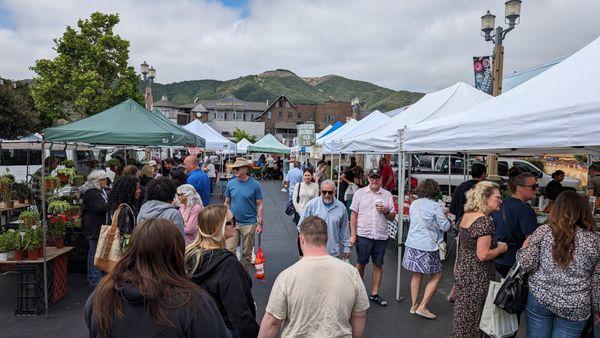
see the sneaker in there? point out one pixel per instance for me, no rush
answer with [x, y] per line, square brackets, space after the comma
[378, 300]
[283, 190]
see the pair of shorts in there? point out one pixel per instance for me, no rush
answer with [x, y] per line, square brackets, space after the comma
[370, 248]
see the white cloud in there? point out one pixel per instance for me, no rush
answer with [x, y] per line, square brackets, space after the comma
[415, 45]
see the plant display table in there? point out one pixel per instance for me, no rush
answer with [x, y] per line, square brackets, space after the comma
[30, 280]
[5, 212]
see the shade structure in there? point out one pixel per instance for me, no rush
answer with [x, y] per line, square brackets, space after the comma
[127, 123]
[334, 127]
[374, 120]
[214, 140]
[557, 111]
[324, 131]
[242, 146]
[269, 144]
[446, 102]
[333, 134]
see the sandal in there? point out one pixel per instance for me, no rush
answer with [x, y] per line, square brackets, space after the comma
[377, 299]
[426, 315]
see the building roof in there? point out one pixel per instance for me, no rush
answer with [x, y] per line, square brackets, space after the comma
[232, 103]
[165, 104]
[271, 105]
[199, 108]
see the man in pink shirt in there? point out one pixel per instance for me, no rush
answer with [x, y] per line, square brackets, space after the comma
[372, 206]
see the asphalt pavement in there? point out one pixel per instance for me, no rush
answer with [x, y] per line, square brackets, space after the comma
[279, 244]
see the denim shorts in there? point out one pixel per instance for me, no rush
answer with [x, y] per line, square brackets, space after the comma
[370, 248]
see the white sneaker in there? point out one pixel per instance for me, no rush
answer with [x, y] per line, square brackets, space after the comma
[283, 190]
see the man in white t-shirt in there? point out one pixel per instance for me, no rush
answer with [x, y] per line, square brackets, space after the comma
[211, 172]
[319, 296]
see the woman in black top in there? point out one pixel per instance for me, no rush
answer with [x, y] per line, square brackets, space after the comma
[218, 271]
[554, 188]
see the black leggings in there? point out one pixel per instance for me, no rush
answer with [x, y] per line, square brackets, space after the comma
[296, 220]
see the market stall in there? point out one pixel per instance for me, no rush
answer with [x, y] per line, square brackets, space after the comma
[214, 141]
[242, 146]
[269, 144]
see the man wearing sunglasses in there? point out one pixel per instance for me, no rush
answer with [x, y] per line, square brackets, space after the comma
[243, 196]
[333, 212]
[372, 206]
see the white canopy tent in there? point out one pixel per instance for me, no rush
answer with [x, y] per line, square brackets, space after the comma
[214, 140]
[332, 135]
[322, 132]
[433, 106]
[557, 111]
[242, 146]
[372, 121]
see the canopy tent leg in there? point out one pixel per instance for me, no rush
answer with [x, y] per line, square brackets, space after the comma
[449, 174]
[339, 175]
[44, 228]
[399, 217]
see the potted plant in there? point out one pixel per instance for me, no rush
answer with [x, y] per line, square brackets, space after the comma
[78, 180]
[22, 192]
[57, 230]
[65, 175]
[58, 207]
[4, 246]
[29, 218]
[32, 243]
[5, 191]
[68, 163]
[113, 164]
[16, 245]
[52, 182]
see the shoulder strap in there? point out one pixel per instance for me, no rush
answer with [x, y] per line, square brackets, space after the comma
[298, 195]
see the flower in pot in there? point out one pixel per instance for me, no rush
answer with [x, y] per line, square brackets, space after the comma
[78, 180]
[15, 244]
[65, 175]
[113, 164]
[68, 163]
[6, 190]
[29, 218]
[58, 207]
[52, 182]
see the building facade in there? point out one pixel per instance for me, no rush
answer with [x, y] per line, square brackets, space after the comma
[282, 116]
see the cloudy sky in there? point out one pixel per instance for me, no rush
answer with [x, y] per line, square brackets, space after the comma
[419, 45]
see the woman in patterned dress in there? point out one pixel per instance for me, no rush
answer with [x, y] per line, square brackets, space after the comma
[477, 249]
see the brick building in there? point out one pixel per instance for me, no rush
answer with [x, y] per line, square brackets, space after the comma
[282, 116]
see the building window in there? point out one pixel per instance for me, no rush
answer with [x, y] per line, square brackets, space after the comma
[280, 114]
[287, 104]
[269, 114]
[182, 120]
[289, 115]
[220, 115]
[214, 115]
[280, 103]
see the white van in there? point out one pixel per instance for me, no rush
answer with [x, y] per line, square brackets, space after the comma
[23, 159]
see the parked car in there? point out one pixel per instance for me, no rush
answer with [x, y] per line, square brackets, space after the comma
[439, 172]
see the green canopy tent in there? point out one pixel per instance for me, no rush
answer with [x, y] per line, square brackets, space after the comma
[269, 144]
[127, 123]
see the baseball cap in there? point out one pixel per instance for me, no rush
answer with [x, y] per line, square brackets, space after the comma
[374, 173]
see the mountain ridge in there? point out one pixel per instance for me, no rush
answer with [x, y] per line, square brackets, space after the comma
[269, 85]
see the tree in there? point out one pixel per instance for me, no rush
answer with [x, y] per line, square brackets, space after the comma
[89, 74]
[17, 112]
[239, 135]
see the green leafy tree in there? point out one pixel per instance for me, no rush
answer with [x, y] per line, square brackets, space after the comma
[17, 111]
[89, 74]
[239, 134]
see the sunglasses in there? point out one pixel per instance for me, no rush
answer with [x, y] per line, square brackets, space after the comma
[231, 222]
[535, 186]
[327, 192]
[180, 194]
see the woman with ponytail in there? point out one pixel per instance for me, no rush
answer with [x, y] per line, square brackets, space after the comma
[218, 271]
[563, 259]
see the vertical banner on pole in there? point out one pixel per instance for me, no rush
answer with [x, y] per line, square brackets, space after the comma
[482, 67]
[400, 214]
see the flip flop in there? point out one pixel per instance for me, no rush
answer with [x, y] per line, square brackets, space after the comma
[425, 315]
[413, 311]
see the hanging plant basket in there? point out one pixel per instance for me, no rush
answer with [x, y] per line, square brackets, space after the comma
[64, 178]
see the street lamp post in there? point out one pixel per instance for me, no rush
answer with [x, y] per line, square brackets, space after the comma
[512, 15]
[148, 73]
[512, 11]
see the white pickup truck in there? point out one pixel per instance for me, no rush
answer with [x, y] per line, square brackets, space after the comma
[436, 168]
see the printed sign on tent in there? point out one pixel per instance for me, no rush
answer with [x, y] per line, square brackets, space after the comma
[482, 66]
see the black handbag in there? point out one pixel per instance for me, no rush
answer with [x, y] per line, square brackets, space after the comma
[512, 296]
[290, 210]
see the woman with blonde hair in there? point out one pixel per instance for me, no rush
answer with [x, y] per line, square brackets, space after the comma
[477, 249]
[218, 271]
[190, 207]
[563, 259]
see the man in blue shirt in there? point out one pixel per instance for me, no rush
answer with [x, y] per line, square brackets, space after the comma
[243, 196]
[293, 176]
[197, 178]
[333, 212]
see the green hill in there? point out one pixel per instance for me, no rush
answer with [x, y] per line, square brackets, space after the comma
[271, 84]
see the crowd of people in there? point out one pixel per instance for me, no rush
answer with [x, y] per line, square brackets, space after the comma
[180, 272]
